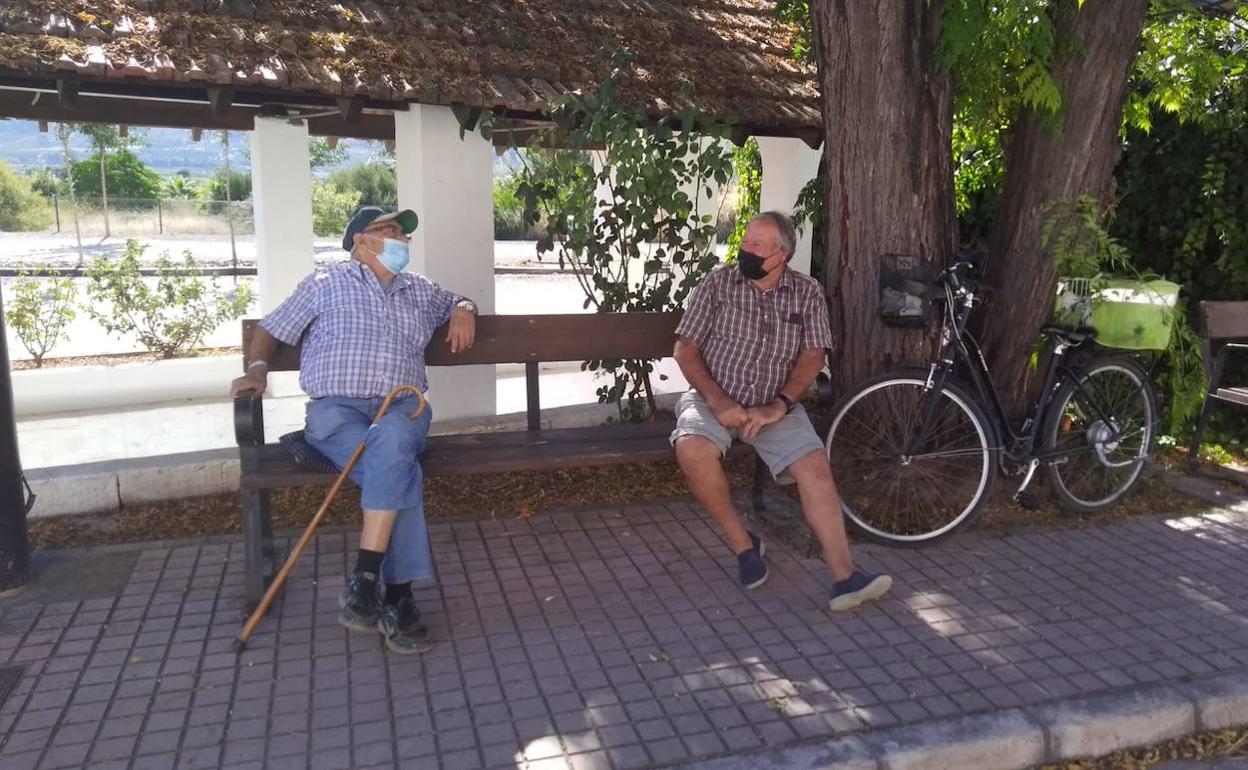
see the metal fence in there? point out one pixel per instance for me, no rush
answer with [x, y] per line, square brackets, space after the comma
[142, 217]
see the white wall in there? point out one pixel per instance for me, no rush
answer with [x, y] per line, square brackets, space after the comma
[788, 164]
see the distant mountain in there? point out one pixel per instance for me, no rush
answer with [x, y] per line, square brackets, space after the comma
[167, 150]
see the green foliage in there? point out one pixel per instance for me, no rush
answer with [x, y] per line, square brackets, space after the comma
[509, 221]
[321, 155]
[375, 182]
[809, 210]
[39, 313]
[797, 13]
[213, 188]
[747, 164]
[332, 208]
[169, 314]
[178, 187]
[642, 245]
[21, 208]
[128, 177]
[44, 181]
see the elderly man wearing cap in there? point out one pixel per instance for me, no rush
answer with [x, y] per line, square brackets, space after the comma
[364, 326]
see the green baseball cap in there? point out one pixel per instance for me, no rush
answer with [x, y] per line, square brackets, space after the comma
[370, 215]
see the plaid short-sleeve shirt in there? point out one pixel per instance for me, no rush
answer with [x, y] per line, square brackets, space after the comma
[750, 338]
[361, 338]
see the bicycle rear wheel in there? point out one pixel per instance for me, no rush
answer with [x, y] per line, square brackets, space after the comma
[1100, 426]
[899, 494]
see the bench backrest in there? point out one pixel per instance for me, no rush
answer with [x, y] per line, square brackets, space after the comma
[530, 340]
[522, 339]
[1223, 320]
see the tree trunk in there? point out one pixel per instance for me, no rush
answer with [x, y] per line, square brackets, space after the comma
[1055, 158]
[888, 116]
[104, 189]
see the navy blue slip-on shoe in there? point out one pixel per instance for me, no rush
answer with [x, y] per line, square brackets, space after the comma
[858, 588]
[751, 565]
[400, 624]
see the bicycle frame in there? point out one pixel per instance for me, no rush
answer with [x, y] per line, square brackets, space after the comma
[958, 345]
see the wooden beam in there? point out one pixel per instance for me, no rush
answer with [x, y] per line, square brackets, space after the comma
[351, 108]
[740, 135]
[220, 98]
[67, 91]
[467, 116]
[197, 134]
[124, 130]
[43, 126]
[146, 112]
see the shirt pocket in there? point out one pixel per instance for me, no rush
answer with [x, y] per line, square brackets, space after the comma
[408, 324]
[343, 321]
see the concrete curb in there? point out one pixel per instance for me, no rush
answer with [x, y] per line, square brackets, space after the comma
[1022, 738]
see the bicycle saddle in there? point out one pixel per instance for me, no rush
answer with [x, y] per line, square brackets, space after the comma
[1072, 336]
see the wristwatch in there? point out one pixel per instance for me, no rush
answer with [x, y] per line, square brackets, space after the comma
[789, 406]
[467, 304]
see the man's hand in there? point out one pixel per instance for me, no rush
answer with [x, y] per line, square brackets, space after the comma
[729, 413]
[254, 381]
[760, 417]
[463, 331]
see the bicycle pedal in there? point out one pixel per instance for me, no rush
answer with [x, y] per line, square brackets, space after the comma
[1027, 500]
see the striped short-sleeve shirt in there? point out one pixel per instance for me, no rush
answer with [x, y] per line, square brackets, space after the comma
[750, 338]
[361, 338]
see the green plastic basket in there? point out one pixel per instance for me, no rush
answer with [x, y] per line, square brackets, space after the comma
[1135, 315]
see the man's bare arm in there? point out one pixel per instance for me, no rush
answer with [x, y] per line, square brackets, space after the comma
[689, 358]
[263, 346]
[808, 365]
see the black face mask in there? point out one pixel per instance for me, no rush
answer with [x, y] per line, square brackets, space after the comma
[751, 265]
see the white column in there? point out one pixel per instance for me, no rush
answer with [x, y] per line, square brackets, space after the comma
[448, 182]
[281, 181]
[788, 164]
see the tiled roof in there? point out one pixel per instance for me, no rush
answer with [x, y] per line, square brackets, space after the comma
[513, 55]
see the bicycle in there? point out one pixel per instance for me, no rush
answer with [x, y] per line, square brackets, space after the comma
[916, 452]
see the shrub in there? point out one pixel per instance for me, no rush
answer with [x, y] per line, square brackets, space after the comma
[128, 177]
[40, 312]
[44, 181]
[332, 208]
[213, 189]
[375, 182]
[169, 315]
[21, 208]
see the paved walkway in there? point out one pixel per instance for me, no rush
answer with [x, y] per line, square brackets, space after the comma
[599, 639]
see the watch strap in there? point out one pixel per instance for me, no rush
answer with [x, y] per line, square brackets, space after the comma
[789, 405]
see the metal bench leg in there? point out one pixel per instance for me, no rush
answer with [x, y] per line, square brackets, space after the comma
[255, 511]
[760, 479]
[1197, 437]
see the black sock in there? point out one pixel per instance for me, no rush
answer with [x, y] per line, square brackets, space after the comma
[369, 561]
[398, 591]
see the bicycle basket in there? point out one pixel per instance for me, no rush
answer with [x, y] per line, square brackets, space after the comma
[1127, 314]
[906, 286]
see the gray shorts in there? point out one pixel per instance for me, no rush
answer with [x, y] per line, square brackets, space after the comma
[780, 445]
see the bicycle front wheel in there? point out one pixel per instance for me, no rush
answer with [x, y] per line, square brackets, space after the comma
[1098, 433]
[913, 465]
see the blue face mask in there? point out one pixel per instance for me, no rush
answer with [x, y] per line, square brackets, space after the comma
[394, 255]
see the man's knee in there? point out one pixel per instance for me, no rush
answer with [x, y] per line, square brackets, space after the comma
[811, 468]
[403, 436]
[698, 450]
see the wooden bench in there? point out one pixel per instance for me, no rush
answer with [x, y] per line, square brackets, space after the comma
[1223, 328]
[526, 339]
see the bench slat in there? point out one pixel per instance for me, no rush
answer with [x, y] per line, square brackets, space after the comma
[466, 454]
[518, 339]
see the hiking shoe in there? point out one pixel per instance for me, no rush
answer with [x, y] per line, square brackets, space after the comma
[360, 601]
[400, 624]
[751, 565]
[858, 588]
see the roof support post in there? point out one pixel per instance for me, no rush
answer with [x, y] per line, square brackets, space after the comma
[788, 164]
[448, 182]
[281, 174]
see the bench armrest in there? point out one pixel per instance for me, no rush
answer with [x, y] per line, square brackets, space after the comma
[1219, 362]
[249, 420]
[823, 389]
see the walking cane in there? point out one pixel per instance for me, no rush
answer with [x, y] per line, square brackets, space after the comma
[250, 626]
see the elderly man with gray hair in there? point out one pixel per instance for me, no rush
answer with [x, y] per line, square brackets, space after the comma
[752, 341]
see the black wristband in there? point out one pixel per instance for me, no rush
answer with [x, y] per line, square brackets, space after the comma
[789, 406]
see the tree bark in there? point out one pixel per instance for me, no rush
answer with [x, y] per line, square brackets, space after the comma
[888, 116]
[1055, 158]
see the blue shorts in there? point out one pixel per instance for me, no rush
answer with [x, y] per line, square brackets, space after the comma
[389, 473]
